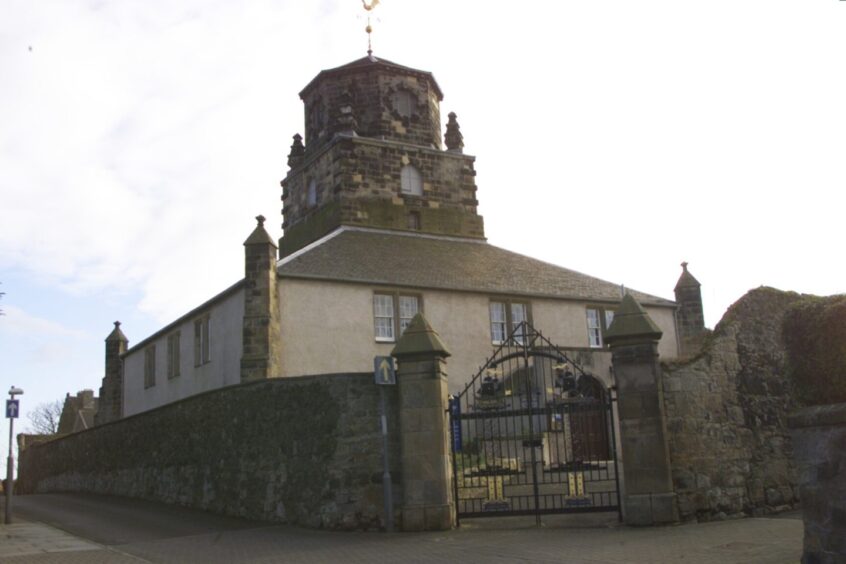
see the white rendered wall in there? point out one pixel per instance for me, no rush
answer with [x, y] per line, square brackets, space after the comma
[224, 369]
[328, 327]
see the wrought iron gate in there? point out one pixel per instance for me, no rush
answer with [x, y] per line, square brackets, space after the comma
[533, 434]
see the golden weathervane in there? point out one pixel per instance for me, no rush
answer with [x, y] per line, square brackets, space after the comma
[369, 29]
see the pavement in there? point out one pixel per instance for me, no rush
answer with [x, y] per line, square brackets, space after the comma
[71, 528]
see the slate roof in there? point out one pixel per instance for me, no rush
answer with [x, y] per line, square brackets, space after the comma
[419, 261]
[369, 62]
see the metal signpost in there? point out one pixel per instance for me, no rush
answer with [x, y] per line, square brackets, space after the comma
[385, 374]
[12, 411]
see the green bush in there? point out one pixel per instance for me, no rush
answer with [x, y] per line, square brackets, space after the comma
[815, 338]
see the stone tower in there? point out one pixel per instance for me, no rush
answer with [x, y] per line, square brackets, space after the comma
[261, 332]
[690, 319]
[373, 157]
[110, 407]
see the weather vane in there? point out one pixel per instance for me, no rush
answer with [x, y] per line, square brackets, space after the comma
[369, 29]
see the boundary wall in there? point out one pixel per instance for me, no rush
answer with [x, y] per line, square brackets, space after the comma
[305, 451]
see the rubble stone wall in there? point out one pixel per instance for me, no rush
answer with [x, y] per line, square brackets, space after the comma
[299, 450]
[727, 410]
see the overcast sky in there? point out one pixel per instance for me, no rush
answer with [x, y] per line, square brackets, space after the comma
[138, 140]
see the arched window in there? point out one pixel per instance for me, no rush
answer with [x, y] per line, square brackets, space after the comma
[311, 197]
[410, 181]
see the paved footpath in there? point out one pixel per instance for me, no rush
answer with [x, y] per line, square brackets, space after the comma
[71, 528]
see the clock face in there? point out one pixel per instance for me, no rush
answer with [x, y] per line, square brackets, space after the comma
[404, 102]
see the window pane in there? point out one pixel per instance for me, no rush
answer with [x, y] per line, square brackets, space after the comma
[150, 367]
[497, 322]
[383, 317]
[173, 356]
[312, 193]
[594, 330]
[410, 181]
[198, 342]
[384, 328]
[498, 312]
[408, 307]
[518, 315]
[383, 306]
[206, 341]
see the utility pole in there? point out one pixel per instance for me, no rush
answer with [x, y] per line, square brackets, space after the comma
[12, 411]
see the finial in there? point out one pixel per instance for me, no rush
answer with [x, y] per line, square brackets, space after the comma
[117, 324]
[684, 265]
[453, 138]
[260, 220]
[297, 151]
[346, 122]
[369, 28]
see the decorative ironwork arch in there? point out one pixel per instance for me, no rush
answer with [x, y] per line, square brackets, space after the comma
[533, 433]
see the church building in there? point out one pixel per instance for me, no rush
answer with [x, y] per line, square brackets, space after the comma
[380, 222]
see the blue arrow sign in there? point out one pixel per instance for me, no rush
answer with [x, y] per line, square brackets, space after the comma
[12, 409]
[383, 370]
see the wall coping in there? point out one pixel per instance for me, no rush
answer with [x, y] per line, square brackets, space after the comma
[818, 416]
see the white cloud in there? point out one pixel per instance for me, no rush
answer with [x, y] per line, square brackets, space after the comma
[18, 322]
[139, 140]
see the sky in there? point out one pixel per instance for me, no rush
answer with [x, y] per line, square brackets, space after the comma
[138, 141]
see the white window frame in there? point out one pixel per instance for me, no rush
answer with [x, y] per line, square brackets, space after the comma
[395, 312]
[411, 181]
[202, 341]
[505, 325]
[594, 327]
[173, 355]
[598, 319]
[150, 366]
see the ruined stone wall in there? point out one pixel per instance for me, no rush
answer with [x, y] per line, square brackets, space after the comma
[299, 450]
[727, 411]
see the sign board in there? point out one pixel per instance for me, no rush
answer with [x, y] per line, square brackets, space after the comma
[384, 372]
[455, 422]
[12, 409]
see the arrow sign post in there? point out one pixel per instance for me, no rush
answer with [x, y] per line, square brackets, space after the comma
[384, 374]
[12, 409]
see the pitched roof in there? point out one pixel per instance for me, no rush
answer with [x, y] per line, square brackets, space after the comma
[423, 261]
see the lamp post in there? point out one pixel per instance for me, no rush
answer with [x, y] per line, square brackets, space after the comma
[12, 411]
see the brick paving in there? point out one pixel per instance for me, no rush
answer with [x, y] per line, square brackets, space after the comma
[743, 541]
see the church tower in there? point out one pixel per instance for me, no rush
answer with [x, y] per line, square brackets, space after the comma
[373, 157]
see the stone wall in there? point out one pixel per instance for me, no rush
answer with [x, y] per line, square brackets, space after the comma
[358, 183]
[304, 450]
[727, 411]
[369, 91]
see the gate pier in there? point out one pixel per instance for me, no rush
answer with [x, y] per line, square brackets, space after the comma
[633, 337]
[424, 432]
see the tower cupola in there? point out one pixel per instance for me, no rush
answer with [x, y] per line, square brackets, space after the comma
[373, 157]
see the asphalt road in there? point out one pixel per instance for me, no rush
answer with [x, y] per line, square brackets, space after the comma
[114, 521]
[113, 530]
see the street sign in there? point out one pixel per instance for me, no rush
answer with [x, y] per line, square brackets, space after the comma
[383, 370]
[12, 409]
[455, 422]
